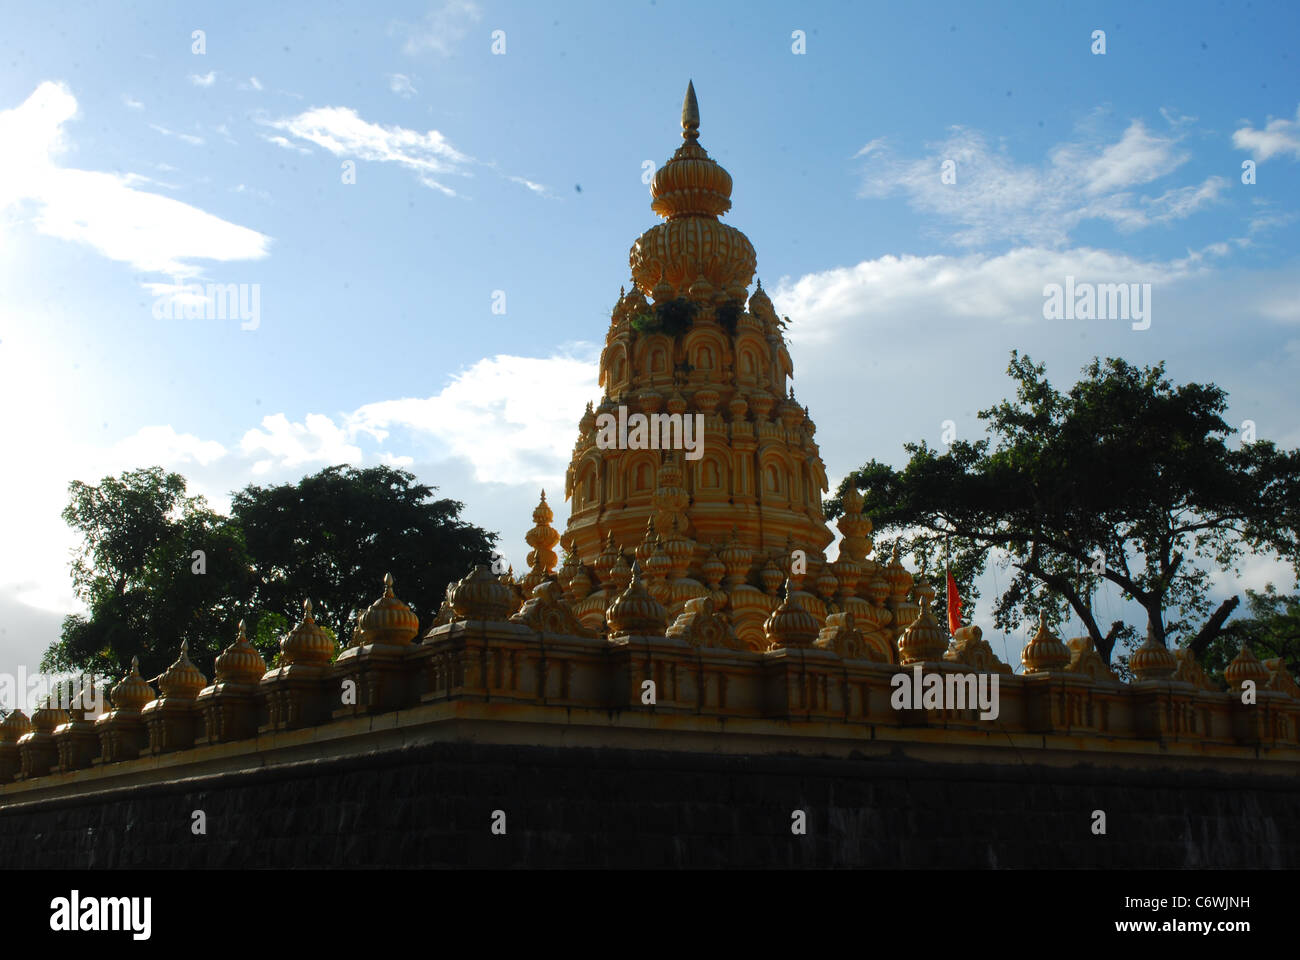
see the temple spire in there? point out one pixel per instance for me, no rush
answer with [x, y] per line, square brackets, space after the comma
[690, 114]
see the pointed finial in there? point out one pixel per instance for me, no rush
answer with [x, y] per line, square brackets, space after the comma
[543, 496]
[185, 652]
[243, 631]
[135, 666]
[388, 585]
[636, 571]
[760, 283]
[690, 114]
[306, 609]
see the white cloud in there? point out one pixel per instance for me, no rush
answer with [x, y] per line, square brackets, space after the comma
[152, 233]
[995, 198]
[511, 417]
[443, 28]
[537, 188]
[204, 79]
[1280, 137]
[401, 85]
[343, 133]
[316, 440]
[189, 138]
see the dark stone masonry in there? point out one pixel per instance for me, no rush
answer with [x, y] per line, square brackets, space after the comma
[432, 806]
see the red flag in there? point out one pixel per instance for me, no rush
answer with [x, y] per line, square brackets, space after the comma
[954, 605]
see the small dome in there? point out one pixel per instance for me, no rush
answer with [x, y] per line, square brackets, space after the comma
[388, 620]
[307, 643]
[240, 662]
[1045, 651]
[923, 640]
[1245, 666]
[790, 625]
[46, 717]
[635, 611]
[1152, 660]
[14, 726]
[132, 692]
[481, 596]
[182, 680]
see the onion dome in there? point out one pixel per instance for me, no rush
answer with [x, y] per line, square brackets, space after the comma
[14, 726]
[307, 643]
[588, 422]
[761, 402]
[660, 564]
[240, 662]
[737, 558]
[827, 583]
[701, 290]
[896, 575]
[790, 412]
[760, 304]
[713, 569]
[635, 303]
[606, 558]
[679, 550]
[707, 399]
[388, 620]
[581, 586]
[1045, 651]
[1245, 666]
[676, 404]
[542, 538]
[564, 576]
[690, 184]
[651, 401]
[1152, 660]
[690, 192]
[923, 640]
[808, 425]
[481, 596]
[663, 292]
[877, 590]
[790, 625]
[182, 680]
[132, 692]
[923, 590]
[738, 405]
[46, 717]
[620, 574]
[847, 573]
[636, 611]
[770, 577]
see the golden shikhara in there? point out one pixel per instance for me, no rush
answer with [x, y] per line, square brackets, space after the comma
[726, 525]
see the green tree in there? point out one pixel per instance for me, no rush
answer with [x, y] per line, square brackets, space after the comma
[1271, 627]
[332, 536]
[1126, 478]
[156, 567]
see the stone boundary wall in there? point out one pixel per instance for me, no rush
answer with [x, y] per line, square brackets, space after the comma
[432, 804]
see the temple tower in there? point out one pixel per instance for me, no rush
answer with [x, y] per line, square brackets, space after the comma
[687, 338]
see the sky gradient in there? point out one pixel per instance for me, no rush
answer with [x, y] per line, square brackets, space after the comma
[131, 165]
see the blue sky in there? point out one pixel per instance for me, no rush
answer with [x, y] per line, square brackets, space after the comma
[130, 165]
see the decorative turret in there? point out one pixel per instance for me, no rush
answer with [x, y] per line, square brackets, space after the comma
[542, 538]
[388, 621]
[1152, 660]
[1244, 666]
[635, 611]
[1046, 651]
[131, 693]
[924, 640]
[307, 643]
[790, 625]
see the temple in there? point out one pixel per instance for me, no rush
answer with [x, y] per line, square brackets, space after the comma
[726, 525]
[695, 609]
